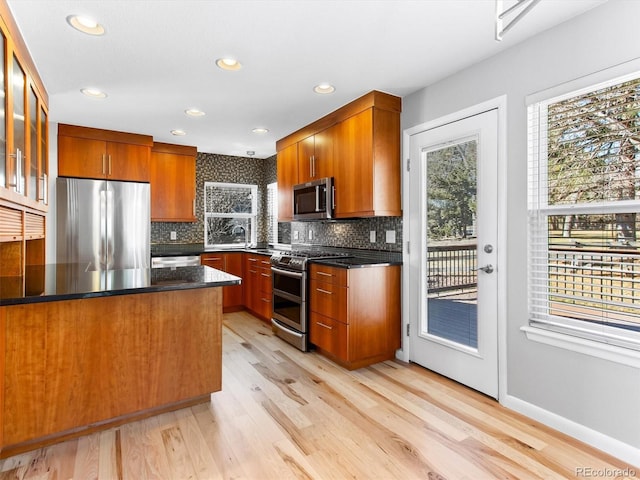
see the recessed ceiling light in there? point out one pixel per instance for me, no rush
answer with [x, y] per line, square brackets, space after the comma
[228, 64]
[194, 112]
[251, 153]
[85, 25]
[324, 88]
[178, 133]
[93, 92]
[260, 130]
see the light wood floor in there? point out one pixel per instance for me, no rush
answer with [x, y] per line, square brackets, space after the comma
[283, 414]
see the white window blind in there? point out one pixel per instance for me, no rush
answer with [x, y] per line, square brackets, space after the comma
[584, 213]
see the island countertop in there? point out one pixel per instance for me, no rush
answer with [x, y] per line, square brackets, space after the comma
[54, 282]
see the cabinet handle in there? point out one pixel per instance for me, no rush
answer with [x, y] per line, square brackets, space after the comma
[43, 188]
[266, 274]
[325, 274]
[266, 300]
[104, 168]
[253, 271]
[324, 291]
[311, 166]
[253, 259]
[320, 324]
[109, 165]
[194, 207]
[333, 197]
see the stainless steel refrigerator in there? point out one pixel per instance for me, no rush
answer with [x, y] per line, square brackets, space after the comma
[103, 225]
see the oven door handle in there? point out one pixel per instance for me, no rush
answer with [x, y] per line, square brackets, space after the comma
[287, 273]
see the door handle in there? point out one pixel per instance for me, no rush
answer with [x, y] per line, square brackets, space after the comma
[486, 269]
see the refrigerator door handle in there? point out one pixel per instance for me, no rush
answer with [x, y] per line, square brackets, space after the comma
[110, 233]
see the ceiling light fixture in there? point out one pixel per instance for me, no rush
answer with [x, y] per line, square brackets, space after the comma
[251, 153]
[228, 64]
[178, 133]
[93, 92]
[324, 88]
[194, 112]
[85, 25]
[260, 130]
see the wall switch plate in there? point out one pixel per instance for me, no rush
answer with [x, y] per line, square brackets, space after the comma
[173, 236]
[372, 236]
[391, 236]
[295, 235]
[310, 234]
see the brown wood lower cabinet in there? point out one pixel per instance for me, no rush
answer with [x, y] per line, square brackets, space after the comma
[258, 287]
[355, 313]
[233, 296]
[74, 366]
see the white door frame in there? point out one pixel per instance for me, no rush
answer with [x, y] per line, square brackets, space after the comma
[408, 274]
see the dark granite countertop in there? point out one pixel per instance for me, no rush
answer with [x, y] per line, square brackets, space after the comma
[356, 262]
[53, 282]
[186, 249]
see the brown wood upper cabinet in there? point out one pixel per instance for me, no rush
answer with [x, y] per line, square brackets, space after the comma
[104, 154]
[315, 156]
[23, 130]
[287, 176]
[358, 145]
[173, 183]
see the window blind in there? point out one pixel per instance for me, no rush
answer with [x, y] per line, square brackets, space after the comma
[584, 213]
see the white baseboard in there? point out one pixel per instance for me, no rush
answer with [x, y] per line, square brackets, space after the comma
[621, 450]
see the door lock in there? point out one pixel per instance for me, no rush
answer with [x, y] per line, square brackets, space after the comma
[488, 248]
[486, 269]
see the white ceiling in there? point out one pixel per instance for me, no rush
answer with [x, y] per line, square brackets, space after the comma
[157, 59]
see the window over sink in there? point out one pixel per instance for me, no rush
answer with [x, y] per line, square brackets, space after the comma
[230, 212]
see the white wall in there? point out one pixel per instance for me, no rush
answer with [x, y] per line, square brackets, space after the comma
[591, 394]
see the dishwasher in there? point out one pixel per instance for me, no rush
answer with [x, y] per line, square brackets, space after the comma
[173, 262]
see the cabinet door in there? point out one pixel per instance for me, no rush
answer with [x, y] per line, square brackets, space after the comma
[173, 187]
[4, 171]
[251, 282]
[323, 153]
[315, 156]
[353, 177]
[18, 116]
[329, 299]
[232, 296]
[81, 157]
[287, 166]
[43, 136]
[128, 162]
[329, 335]
[32, 155]
[306, 152]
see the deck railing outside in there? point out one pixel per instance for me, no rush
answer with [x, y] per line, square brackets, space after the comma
[451, 267]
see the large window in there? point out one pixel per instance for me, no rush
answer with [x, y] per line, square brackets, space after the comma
[230, 211]
[584, 213]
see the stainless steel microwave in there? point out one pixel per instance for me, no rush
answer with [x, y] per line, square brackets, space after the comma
[313, 200]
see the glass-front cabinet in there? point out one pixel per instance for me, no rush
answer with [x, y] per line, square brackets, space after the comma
[23, 126]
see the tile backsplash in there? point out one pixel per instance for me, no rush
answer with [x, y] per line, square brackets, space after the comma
[354, 233]
[224, 168]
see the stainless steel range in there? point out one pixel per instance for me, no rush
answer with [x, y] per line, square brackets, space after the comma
[290, 295]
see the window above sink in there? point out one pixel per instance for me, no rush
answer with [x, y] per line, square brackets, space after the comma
[230, 215]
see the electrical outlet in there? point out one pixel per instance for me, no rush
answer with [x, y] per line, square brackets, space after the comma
[391, 236]
[173, 236]
[295, 235]
[310, 234]
[372, 236]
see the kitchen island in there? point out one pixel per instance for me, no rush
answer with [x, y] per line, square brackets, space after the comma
[87, 350]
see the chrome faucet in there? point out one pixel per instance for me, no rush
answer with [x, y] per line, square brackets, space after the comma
[240, 230]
